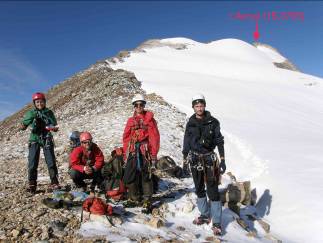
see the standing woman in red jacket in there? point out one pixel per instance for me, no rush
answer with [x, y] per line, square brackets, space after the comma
[140, 144]
[86, 162]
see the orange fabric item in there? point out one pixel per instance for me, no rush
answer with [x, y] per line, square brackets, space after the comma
[96, 206]
[117, 193]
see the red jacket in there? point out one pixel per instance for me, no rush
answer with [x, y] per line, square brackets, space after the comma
[141, 128]
[79, 157]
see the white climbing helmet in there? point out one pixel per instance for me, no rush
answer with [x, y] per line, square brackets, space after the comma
[198, 98]
[138, 97]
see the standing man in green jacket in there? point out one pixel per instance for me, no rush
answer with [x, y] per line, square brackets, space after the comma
[42, 121]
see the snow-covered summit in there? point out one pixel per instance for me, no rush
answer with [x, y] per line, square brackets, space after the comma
[278, 59]
[234, 49]
[271, 52]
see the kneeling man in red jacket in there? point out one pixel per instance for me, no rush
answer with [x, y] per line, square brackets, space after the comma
[86, 162]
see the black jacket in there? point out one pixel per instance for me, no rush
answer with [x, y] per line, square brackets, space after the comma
[203, 135]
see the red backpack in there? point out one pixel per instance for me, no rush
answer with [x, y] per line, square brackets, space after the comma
[117, 193]
[96, 206]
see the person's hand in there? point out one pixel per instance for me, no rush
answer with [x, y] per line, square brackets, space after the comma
[52, 128]
[222, 166]
[88, 170]
[55, 129]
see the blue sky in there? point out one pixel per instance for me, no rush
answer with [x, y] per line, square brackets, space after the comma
[42, 43]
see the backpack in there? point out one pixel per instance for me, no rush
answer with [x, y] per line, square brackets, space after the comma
[113, 175]
[116, 190]
[95, 205]
[166, 165]
[75, 139]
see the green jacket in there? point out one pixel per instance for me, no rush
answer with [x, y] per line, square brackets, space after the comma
[39, 119]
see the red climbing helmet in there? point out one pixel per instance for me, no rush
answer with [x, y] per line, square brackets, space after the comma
[38, 96]
[85, 136]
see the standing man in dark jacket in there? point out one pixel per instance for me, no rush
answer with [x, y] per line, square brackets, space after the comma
[202, 136]
[42, 121]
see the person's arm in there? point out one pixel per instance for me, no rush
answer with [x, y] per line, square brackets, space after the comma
[126, 137]
[221, 150]
[219, 141]
[54, 121]
[154, 139]
[75, 159]
[99, 159]
[186, 142]
[27, 120]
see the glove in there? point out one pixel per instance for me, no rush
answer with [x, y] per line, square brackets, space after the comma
[186, 170]
[222, 166]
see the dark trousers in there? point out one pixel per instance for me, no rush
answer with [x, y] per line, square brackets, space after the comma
[33, 161]
[138, 180]
[78, 178]
[207, 175]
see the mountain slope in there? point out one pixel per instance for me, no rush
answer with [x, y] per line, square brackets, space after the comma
[271, 119]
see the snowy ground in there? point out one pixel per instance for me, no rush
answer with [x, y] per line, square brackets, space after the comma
[270, 117]
[178, 218]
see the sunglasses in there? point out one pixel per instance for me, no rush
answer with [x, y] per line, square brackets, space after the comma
[39, 101]
[86, 142]
[139, 105]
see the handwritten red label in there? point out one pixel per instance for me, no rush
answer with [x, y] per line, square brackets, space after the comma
[269, 16]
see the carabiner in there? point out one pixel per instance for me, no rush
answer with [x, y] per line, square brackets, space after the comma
[199, 167]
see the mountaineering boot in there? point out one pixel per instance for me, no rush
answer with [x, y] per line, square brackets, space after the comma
[53, 187]
[216, 228]
[133, 192]
[146, 207]
[32, 187]
[130, 203]
[201, 220]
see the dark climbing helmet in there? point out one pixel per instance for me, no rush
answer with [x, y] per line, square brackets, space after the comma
[75, 135]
